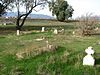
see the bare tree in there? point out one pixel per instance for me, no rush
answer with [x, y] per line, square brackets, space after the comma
[4, 5]
[87, 24]
[30, 5]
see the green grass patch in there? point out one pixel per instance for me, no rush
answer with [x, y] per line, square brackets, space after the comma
[66, 60]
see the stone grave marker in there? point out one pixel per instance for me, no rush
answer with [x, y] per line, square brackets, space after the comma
[43, 29]
[55, 31]
[89, 59]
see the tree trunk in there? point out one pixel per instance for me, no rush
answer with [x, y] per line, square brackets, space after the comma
[18, 24]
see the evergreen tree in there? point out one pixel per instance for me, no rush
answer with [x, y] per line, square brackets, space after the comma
[61, 9]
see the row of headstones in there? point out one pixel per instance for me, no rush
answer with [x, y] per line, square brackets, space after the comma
[88, 59]
[55, 30]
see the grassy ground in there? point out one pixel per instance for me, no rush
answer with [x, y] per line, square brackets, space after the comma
[66, 60]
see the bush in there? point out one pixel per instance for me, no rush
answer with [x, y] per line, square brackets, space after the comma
[87, 24]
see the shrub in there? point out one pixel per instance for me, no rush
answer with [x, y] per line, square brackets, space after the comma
[87, 24]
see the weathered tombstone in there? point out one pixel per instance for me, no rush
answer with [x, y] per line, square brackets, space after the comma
[96, 28]
[55, 31]
[62, 31]
[18, 32]
[73, 32]
[4, 24]
[88, 59]
[43, 29]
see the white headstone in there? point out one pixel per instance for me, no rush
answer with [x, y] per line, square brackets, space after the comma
[4, 24]
[73, 32]
[88, 59]
[62, 31]
[96, 28]
[55, 31]
[43, 29]
[18, 32]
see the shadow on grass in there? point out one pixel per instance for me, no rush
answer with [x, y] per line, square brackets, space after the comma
[97, 59]
[2, 37]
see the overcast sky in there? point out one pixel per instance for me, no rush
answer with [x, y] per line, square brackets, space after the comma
[81, 7]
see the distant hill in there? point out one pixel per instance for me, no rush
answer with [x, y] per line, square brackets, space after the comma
[40, 16]
[33, 16]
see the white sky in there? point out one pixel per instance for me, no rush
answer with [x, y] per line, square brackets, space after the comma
[81, 7]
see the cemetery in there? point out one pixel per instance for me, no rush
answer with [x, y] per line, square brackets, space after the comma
[32, 42]
[43, 49]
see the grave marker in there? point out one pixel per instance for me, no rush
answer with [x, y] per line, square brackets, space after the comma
[88, 59]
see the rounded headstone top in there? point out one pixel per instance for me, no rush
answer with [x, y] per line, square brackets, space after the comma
[89, 50]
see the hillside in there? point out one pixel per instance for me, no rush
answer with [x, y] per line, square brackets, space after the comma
[33, 16]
